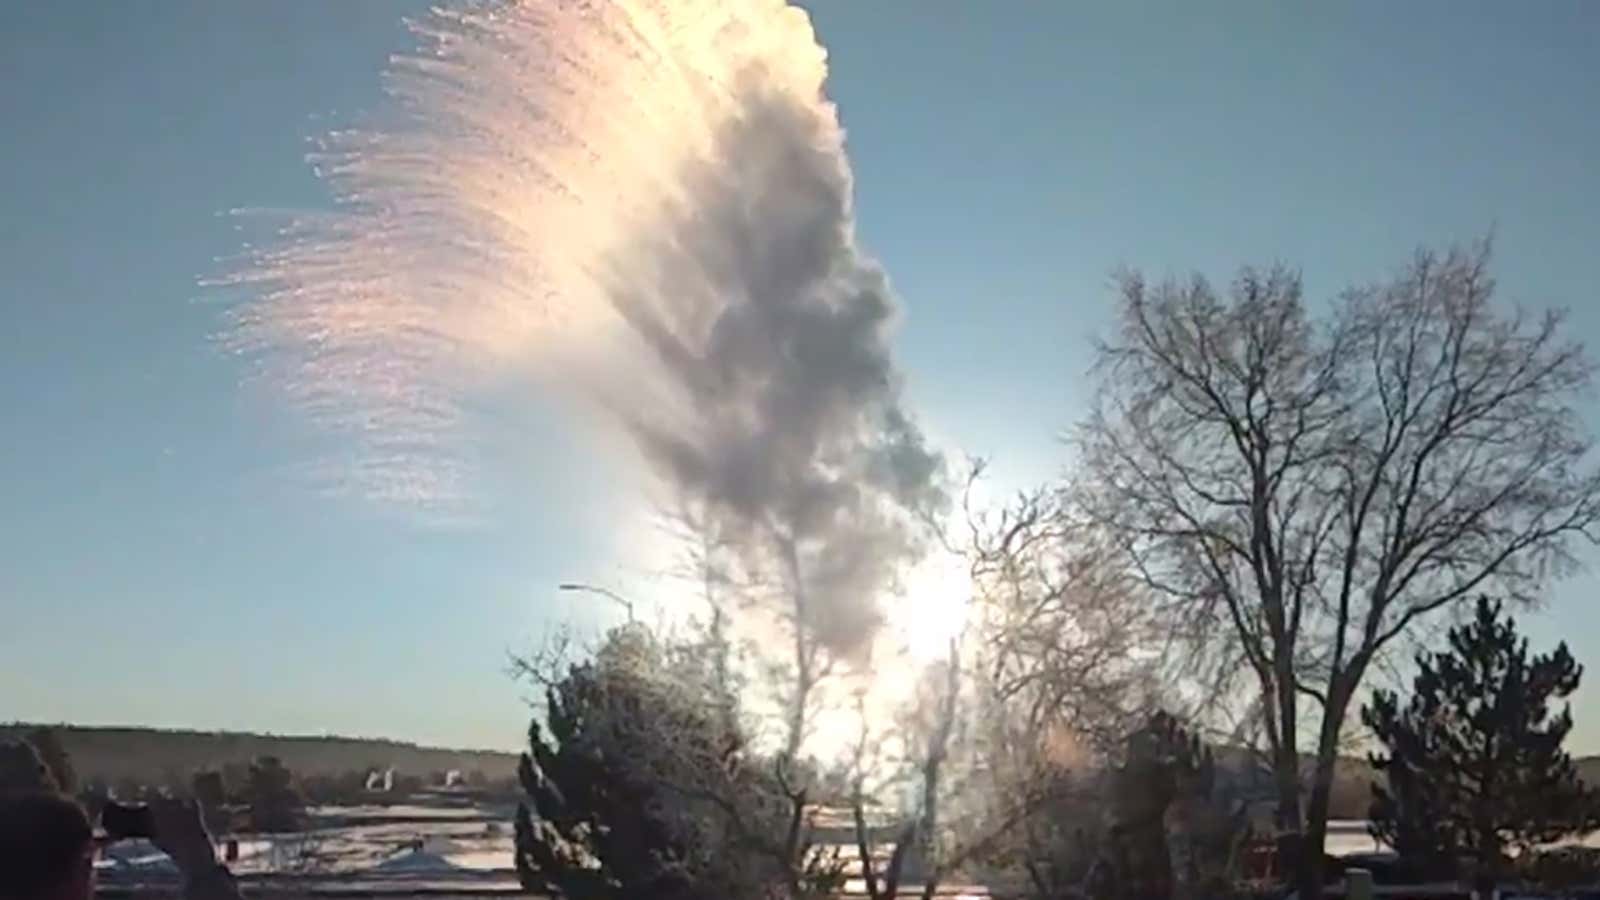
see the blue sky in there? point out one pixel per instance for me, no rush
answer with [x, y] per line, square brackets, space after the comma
[155, 564]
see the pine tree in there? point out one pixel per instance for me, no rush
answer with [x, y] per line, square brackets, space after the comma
[634, 786]
[1473, 763]
[1175, 830]
[275, 804]
[210, 791]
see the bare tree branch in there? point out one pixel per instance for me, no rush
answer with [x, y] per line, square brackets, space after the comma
[1330, 484]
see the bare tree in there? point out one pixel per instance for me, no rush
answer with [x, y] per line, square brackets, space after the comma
[868, 780]
[1066, 636]
[1047, 666]
[753, 579]
[766, 587]
[709, 564]
[755, 585]
[1300, 492]
[953, 818]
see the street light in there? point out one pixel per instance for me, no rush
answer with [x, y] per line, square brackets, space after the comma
[613, 596]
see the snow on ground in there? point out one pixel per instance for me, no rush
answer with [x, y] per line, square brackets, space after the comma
[399, 811]
[458, 844]
[409, 839]
[412, 844]
[415, 861]
[1349, 836]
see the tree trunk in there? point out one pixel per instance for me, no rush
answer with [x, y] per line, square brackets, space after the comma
[1286, 768]
[1180, 823]
[1486, 873]
[1309, 874]
[926, 833]
[864, 844]
[1309, 877]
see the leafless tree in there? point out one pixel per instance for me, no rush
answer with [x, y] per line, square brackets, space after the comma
[754, 584]
[1300, 492]
[951, 818]
[767, 592]
[754, 589]
[1047, 668]
[870, 777]
[1066, 637]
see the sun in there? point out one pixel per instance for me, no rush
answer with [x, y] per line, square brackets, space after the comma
[933, 606]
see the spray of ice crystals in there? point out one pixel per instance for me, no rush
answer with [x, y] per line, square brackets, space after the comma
[650, 199]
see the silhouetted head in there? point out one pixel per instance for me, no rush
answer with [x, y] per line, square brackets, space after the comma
[21, 769]
[46, 847]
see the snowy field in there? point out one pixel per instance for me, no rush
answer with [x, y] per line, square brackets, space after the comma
[398, 850]
[393, 850]
[446, 843]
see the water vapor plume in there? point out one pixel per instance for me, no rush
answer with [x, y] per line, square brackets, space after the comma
[647, 203]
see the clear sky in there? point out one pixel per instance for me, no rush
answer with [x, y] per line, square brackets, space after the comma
[157, 567]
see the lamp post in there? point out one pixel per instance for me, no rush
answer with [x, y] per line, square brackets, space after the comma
[611, 595]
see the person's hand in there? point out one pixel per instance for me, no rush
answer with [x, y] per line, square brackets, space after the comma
[181, 834]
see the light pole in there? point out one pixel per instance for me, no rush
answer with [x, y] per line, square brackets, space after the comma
[611, 595]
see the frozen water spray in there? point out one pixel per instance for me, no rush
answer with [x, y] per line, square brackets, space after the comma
[649, 202]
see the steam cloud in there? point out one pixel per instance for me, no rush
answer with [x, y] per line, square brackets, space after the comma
[650, 200]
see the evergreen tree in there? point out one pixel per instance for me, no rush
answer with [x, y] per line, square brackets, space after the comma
[1473, 763]
[637, 786]
[275, 804]
[1175, 831]
[211, 793]
[1143, 788]
[592, 831]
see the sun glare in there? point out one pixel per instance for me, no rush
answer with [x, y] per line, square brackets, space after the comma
[933, 606]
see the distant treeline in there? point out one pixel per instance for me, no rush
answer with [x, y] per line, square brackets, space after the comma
[150, 756]
[157, 756]
[1351, 797]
